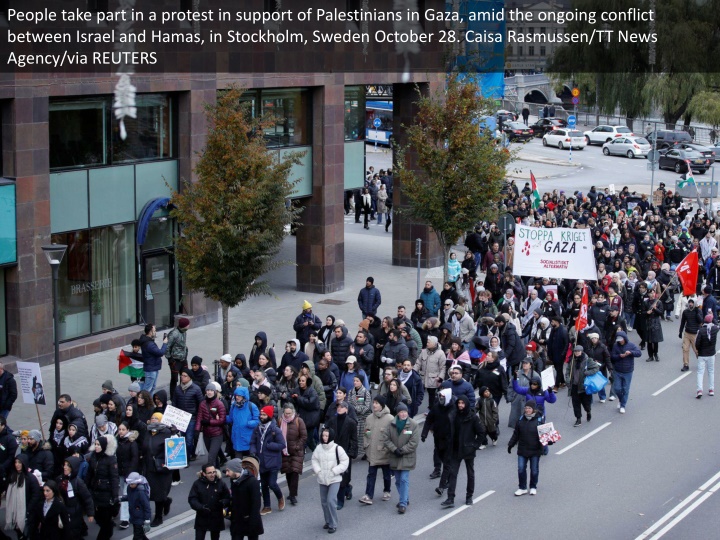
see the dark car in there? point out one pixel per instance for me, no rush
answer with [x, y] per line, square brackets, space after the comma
[542, 126]
[668, 139]
[517, 131]
[504, 116]
[706, 151]
[678, 160]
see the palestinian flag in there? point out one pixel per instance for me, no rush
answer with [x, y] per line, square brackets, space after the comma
[687, 178]
[535, 193]
[129, 366]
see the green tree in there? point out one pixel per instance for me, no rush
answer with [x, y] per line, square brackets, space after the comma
[461, 168]
[705, 107]
[232, 220]
[671, 93]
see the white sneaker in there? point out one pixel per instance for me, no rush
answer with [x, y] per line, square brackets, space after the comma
[619, 407]
[176, 483]
[482, 447]
[495, 443]
[520, 492]
[622, 410]
[611, 398]
[533, 491]
[602, 401]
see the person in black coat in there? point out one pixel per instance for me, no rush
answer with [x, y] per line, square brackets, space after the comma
[52, 515]
[530, 448]
[307, 404]
[74, 415]
[199, 376]
[158, 476]
[39, 455]
[8, 449]
[23, 483]
[557, 349]
[467, 434]
[344, 429]
[437, 421]
[653, 329]
[305, 323]
[245, 518]
[208, 496]
[188, 397]
[104, 483]
[76, 497]
[510, 342]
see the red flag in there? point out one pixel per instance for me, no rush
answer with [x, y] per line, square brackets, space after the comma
[687, 273]
[582, 320]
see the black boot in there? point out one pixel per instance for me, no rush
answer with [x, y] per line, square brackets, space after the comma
[158, 515]
[448, 503]
[348, 492]
[167, 504]
[435, 474]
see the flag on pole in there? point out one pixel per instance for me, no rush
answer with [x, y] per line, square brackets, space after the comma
[582, 320]
[535, 192]
[688, 178]
[130, 366]
[687, 273]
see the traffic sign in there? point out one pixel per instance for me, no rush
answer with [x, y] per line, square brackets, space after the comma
[506, 223]
[575, 92]
[575, 100]
[652, 166]
[653, 156]
[377, 123]
[571, 121]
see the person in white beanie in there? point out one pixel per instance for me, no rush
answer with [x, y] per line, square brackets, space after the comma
[210, 421]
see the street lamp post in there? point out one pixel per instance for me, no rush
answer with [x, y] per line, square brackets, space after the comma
[54, 254]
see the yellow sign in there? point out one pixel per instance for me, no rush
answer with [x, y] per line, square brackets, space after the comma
[575, 92]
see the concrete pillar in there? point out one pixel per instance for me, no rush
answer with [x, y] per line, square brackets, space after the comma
[320, 248]
[405, 230]
[29, 284]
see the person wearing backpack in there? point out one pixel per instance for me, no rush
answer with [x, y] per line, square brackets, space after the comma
[329, 462]
[177, 352]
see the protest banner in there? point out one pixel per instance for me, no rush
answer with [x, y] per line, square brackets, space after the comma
[31, 384]
[176, 417]
[554, 252]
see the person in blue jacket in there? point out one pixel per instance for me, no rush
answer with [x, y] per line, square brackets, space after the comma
[352, 369]
[460, 386]
[152, 356]
[431, 298]
[244, 417]
[138, 505]
[267, 444]
[623, 357]
[369, 298]
[535, 391]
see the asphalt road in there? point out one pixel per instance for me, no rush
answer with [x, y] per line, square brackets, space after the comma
[613, 477]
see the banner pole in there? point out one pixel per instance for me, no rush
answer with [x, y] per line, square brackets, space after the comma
[37, 409]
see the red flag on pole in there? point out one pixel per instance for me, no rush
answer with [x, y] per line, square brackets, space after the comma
[582, 320]
[687, 272]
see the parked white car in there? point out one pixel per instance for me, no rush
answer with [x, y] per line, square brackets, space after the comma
[631, 147]
[606, 133]
[564, 138]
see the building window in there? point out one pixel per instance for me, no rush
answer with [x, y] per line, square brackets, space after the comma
[97, 283]
[292, 110]
[531, 50]
[542, 29]
[354, 113]
[520, 50]
[542, 50]
[85, 132]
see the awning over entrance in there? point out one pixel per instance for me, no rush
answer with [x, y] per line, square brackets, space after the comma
[146, 215]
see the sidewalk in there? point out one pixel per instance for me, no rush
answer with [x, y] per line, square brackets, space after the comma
[367, 253]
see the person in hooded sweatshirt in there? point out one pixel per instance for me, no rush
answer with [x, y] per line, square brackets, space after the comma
[104, 483]
[261, 347]
[488, 413]
[437, 421]
[530, 448]
[467, 435]
[243, 417]
[329, 462]
[76, 497]
[293, 355]
[138, 501]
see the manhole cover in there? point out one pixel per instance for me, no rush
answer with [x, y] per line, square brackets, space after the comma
[332, 302]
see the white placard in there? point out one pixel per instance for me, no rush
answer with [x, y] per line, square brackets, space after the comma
[176, 417]
[31, 384]
[554, 253]
[611, 189]
[548, 378]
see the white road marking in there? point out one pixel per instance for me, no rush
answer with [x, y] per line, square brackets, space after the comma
[650, 530]
[573, 445]
[451, 514]
[680, 378]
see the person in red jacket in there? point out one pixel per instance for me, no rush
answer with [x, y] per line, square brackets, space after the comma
[210, 421]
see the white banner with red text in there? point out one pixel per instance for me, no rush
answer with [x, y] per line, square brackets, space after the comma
[554, 253]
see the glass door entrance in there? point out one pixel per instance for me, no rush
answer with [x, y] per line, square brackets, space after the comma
[157, 289]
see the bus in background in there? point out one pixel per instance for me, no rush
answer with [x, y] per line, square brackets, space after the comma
[379, 132]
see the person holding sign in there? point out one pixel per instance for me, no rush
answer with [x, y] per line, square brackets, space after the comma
[159, 477]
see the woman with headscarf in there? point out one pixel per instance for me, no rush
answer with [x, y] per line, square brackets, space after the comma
[54, 522]
[295, 434]
[57, 444]
[128, 461]
[159, 477]
[76, 497]
[75, 442]
[134, 423]
[160, 400]
[23, 500]
[326, 333]
[104, 483]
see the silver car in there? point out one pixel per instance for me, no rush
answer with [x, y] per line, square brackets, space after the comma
[631, 147]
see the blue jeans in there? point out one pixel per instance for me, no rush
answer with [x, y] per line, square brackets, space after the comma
[190, 437]
[150, 380]
[268, 481]
[379, 218]
[534, 471]
[328, 501]
[372, 476]
[630, 319]
[402, 482]
[5, 413]
[621, 385]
